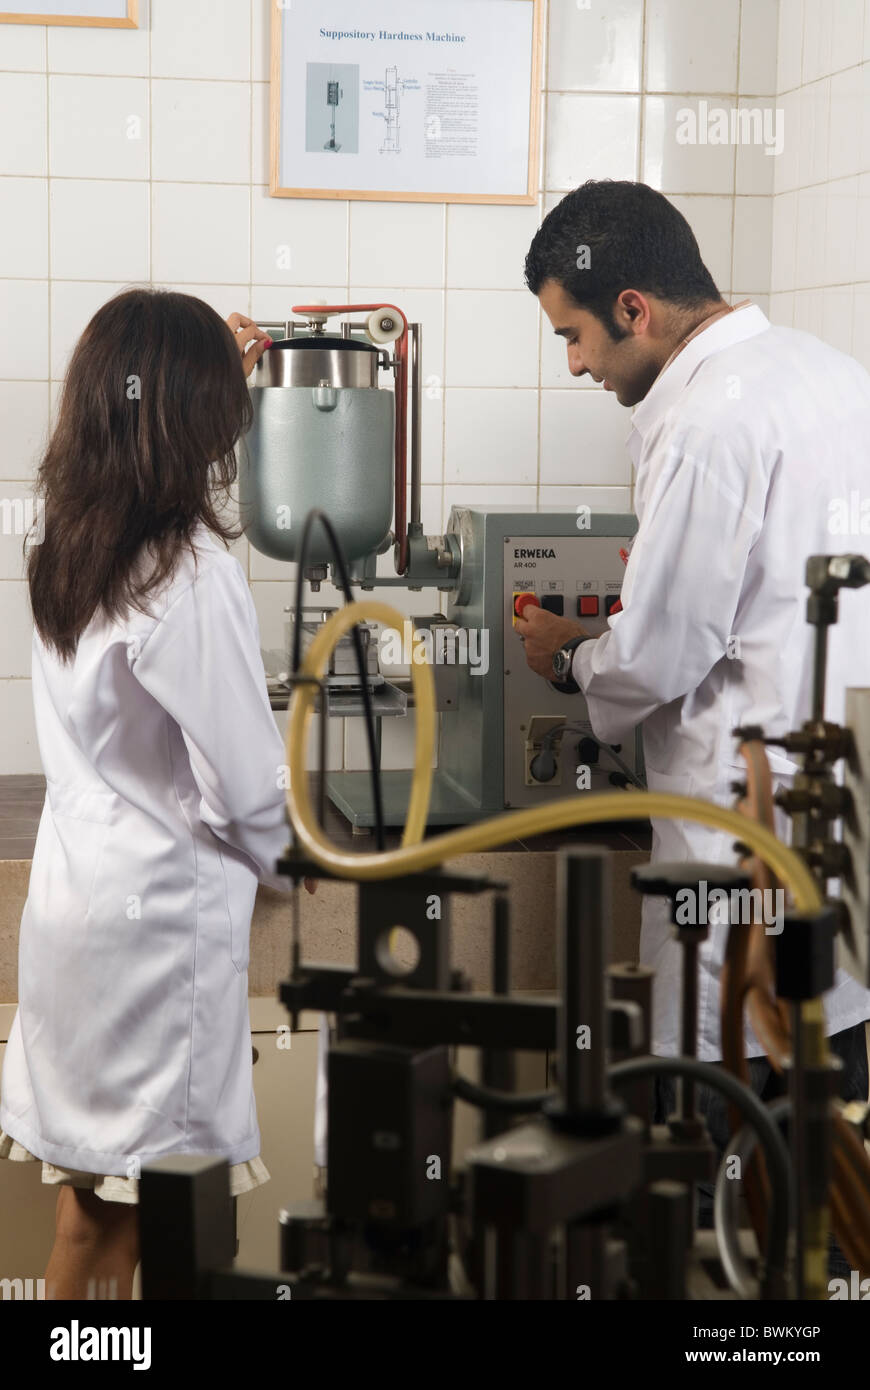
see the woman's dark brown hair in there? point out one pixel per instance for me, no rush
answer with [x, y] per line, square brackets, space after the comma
[154, 402]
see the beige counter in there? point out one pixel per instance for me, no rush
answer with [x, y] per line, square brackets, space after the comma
[329, 918]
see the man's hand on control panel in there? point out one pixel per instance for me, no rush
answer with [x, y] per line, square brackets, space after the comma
[543, 633]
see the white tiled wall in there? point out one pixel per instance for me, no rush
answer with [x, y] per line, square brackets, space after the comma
[820, 269]
[142, 156]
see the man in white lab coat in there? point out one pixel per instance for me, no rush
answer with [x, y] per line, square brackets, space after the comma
[748, 442]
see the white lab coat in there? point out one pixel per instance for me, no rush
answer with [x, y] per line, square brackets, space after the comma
[743, 447]
[163, 808]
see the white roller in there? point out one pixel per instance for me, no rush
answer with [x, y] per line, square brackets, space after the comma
[317, 318]
[381, 335]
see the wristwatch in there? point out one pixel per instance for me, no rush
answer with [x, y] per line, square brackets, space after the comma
[563, 681]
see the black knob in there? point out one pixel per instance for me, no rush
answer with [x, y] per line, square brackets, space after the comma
[666, 880]
[688, 887]
[749, 733]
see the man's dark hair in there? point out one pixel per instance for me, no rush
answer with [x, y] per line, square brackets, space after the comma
[636, 240]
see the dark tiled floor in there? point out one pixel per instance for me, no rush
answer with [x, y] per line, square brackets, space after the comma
[21, 800]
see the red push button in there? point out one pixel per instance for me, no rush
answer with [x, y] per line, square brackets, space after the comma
[524, 600]
[612, 604]
[587, 606]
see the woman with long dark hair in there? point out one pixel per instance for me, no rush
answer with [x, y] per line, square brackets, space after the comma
[164, 770]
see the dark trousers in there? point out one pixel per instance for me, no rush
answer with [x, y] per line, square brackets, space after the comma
[850, 1046]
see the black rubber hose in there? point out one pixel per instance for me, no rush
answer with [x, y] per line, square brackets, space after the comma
[340, 564]
[754, 1111]
[509, 1102]
[639, 1068]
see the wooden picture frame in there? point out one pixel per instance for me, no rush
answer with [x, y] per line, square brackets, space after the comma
[528, 65]
[129, 19]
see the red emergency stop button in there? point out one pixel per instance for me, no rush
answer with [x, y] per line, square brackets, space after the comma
[587, 606]
[522, 601]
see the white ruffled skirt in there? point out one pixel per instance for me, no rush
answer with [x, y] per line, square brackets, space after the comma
[243, 1176]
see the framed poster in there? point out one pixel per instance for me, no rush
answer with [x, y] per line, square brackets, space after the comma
[97, 14]
[406, 100]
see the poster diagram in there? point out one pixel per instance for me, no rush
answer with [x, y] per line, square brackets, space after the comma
[431, 99]
[392, 89]
[332, 108]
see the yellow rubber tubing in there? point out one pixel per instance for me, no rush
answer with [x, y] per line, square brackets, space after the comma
[416, 855]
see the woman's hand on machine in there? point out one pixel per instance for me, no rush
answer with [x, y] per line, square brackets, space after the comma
[250, 340]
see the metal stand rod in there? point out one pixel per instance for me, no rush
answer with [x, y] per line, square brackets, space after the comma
[416, 334]
[670, 1226]
[323, 761]
[501, 953]
[798, 1145]
[689, 1042]
[820, 666]
[583, 896]
[497, 1066]
[633, 984]
[585, 1260]
[522, 1267]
